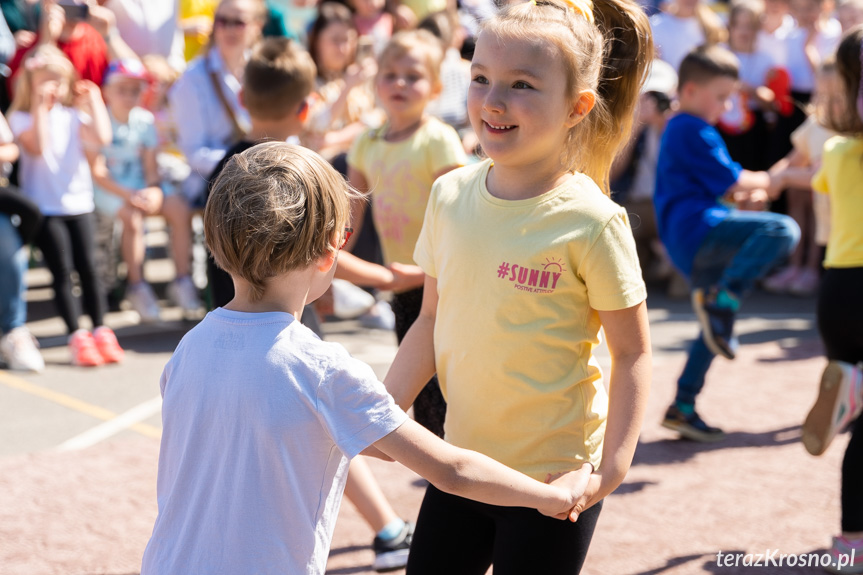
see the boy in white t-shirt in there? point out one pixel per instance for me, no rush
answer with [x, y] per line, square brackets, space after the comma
[261, 417]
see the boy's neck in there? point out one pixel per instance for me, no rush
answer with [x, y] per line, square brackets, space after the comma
[286, 293]
[279, 130]
[685, 108]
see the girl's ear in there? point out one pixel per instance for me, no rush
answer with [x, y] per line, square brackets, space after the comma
[581, 107]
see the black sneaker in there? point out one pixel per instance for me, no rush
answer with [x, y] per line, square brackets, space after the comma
[392, 554]
[691, 426]
[716, 311]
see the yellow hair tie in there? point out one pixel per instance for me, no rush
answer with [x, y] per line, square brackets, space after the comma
[583, 7]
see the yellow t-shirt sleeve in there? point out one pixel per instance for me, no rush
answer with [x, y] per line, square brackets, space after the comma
[610, 270]
[356, 154]
[424, 252]
[444, 149]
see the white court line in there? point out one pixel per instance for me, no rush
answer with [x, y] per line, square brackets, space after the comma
[114, 426]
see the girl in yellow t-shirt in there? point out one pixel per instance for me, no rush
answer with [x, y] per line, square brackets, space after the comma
[840, 309]
[398, 163]
[526, 258]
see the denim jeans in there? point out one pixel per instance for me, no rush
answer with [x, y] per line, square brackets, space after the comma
[13, 269]
[743, 248]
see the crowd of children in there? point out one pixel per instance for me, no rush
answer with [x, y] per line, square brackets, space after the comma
[518, 172]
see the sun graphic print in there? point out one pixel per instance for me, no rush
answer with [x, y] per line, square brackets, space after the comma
[552, 263]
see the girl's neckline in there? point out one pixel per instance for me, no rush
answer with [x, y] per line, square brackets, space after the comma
[402, 134]
[520, 202]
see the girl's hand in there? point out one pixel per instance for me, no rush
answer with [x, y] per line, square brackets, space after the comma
[45, 94]
[148, 200]
[578, 483]
[85, 93]
[406, 277]
[24, 38]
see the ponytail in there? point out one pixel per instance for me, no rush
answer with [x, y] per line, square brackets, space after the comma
[628, 50]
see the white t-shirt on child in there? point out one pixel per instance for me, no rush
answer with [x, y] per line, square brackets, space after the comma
[59, 180]
[260, 419]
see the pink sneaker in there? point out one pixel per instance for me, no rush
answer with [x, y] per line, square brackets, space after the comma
[106, 343]
[83, 349]
[781, 280]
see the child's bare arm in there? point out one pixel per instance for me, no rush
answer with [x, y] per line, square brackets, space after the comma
[414, 363]
[473, 475]
[358, 205]
[88, 99]
[363, 273]
[628, 336]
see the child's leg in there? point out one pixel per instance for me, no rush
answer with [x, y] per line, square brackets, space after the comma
[797, 208]
[429, 406]
[462, 537]
[840, 315]
[852, 484]
[81, 232]
[13, 268]
[132, 243]
[527, 542]
[454, 535]
[363, 491]
[760, 241]
[179, 217]
[55, 245]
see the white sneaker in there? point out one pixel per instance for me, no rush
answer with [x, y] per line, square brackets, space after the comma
[20, 350]
[143, 301]
[349, 301]
[184, 293]
[381, 316]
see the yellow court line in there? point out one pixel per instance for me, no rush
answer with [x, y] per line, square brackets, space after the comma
[74, 403]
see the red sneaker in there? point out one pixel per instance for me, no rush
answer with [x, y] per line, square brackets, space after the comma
[83, 349]
[106, 343]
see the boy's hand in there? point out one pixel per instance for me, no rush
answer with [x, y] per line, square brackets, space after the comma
[752, 200]
[580, 483]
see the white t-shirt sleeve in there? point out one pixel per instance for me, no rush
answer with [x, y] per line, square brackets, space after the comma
[354, 406]
[20, 122]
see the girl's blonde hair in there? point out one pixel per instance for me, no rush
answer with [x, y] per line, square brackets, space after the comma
[606, 48]
[407, 41]
[43, 57]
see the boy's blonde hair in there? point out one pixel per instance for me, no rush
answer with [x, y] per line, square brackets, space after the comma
[606, 47]
[279, 76]
[275, 208]
[423, 41]
[43, 57]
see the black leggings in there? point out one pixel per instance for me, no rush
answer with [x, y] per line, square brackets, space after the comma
[67, 243]
[429, 406]
[458, 536]
[840, 318]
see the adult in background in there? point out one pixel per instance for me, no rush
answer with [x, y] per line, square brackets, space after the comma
[205, 100]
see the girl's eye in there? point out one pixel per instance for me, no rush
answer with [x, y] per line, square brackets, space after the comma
[479, 79]
[522, 86]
